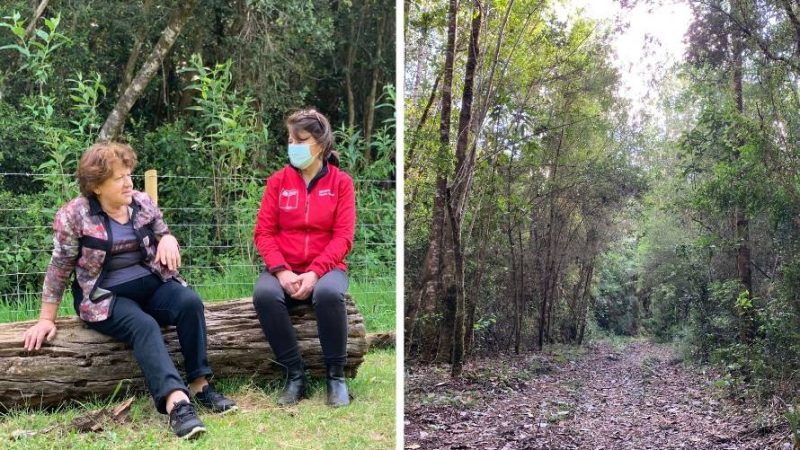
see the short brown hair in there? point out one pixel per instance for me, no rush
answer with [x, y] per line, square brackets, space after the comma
[317, 125]
[97, 164]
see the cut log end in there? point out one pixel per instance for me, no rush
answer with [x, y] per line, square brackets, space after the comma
[381, 340]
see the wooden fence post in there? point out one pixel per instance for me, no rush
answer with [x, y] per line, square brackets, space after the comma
[151, 184]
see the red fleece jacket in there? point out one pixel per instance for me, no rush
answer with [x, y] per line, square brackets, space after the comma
[306, 229]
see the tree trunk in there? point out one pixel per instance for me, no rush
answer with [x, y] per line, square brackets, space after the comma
[475, 288]
[431, 286]
[133, 58]
[355, 27]
[115, 121]
[80, 363]
[456, 202]
[37, 13]
[351, 110]
[420, 325]
[449, 296]
[514, 276]
[425, 112]
[547, 267]
[458, 326]
[740, 220]
[486, 101]
[409, 153]
[520, 283]
[369, 114]
[465, 161]
[583, 300]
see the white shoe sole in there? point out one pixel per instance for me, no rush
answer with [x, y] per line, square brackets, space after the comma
[229, 410]
[196, 432]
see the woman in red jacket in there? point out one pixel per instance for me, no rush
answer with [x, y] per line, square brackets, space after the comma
[304, 230]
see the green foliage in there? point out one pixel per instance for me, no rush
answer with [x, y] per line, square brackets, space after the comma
[372, 167]
[18, 153]
[35, 51]
[26, 236]
[709, 160]
[616, 308]
[86, 96]
[551, 170]
[212, 156]
[793, 417]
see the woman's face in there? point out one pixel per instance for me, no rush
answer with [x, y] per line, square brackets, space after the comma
[117, 190]
[304, 137]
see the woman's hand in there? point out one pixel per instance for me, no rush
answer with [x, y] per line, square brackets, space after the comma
[289, 281]
[168, 252]
[307, 282]
[35, 336]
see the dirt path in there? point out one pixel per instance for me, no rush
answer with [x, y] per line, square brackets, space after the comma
[636, 397]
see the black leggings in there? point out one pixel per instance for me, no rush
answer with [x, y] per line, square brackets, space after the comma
[272, 306]
[141, 308]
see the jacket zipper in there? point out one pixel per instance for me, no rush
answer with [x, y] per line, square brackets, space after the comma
[309, 187]
[305, 245]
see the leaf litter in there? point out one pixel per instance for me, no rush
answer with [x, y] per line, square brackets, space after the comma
[639, 397]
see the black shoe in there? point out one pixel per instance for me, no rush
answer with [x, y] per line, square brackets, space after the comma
[336, 387]
[295, 384]
[184, 421]
[211, 399]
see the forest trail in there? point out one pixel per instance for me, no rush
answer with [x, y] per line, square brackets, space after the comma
[636, 396]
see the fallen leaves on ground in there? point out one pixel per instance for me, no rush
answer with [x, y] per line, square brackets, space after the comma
[94, 421]
[636, 397]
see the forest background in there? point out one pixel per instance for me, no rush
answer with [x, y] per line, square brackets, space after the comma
[547, 211]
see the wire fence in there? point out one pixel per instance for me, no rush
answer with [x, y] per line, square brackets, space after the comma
[215, 231]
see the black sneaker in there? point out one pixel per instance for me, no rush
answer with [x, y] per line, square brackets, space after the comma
[184, 421]
[213, 400]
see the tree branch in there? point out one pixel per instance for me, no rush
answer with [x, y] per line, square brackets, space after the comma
[116, 119]
[36, 15]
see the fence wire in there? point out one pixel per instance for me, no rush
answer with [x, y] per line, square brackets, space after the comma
[215, 232]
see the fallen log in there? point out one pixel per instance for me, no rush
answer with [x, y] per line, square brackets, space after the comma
[381, 340]
[81, 363]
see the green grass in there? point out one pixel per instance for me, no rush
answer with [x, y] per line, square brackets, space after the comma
[368, 423]
[28, 307]
[376, 301]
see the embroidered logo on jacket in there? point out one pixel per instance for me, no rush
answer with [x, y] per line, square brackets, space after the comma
[326, 193]
[288, 199]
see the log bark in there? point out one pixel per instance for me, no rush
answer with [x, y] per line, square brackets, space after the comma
[381, 340]
[81, 363]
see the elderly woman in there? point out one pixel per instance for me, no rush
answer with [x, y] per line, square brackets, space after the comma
[303, 231]
[127, 285]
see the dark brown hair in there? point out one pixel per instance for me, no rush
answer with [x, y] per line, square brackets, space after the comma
[97, 164]
[317, 125]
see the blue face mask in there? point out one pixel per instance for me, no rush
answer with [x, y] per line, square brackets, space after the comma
[300, 155]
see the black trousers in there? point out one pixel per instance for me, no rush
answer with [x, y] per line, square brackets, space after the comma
[272, 306]
[141, 308]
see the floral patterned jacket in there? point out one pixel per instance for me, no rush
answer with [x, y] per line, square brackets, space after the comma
[81, 242]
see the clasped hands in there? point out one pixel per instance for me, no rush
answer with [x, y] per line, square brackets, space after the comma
[299, 287]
